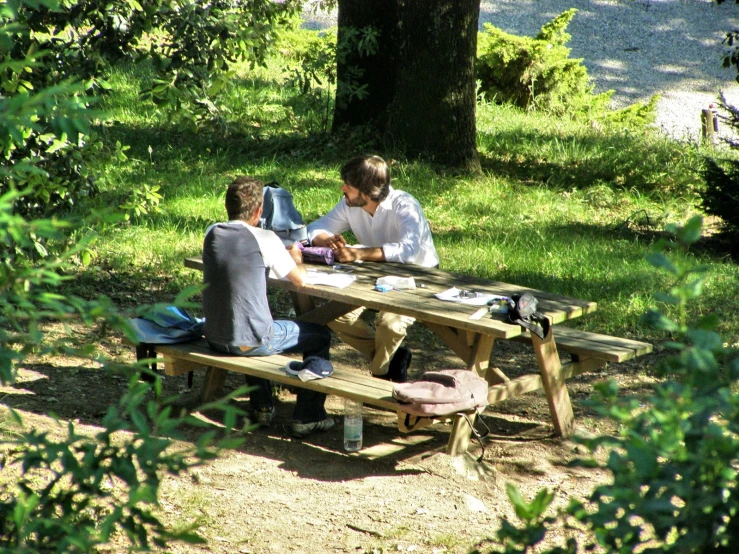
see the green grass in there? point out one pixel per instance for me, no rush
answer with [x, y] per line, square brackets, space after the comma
[560, 206]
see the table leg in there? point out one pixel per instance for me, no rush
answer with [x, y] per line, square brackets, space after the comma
[215, 378]
[307, 310]
[555, 387]
[459, 439]
[302, 303]
[473, 348]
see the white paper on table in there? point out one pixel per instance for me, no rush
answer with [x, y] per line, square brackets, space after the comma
[452, 295]
[338, 280]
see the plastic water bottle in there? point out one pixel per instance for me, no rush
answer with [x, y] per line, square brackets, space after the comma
[352, 425]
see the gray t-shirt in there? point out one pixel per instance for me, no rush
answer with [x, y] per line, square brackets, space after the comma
[237, 259]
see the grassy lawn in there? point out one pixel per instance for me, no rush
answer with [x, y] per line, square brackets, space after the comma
[560, 206]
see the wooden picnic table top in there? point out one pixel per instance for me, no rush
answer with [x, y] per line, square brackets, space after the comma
[421, 304]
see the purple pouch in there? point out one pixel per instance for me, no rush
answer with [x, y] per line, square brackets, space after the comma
[318, 255]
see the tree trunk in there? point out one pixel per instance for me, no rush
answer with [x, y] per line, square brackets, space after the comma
[375, 72]
[421, 82]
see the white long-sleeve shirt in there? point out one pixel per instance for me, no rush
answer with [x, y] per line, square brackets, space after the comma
[398, 227]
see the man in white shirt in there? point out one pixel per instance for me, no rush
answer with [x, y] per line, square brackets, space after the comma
[237, 258]
[391, 227]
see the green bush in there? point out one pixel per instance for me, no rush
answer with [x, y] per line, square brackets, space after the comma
[78, 492]
[192, 47]
[674, 460]
[538, 74]
[312, 57]
[721, 174]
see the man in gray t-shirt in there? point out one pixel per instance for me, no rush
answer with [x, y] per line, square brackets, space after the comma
[238, 257]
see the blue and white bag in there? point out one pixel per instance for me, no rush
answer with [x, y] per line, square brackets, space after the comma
[167, 326]
[280, 215]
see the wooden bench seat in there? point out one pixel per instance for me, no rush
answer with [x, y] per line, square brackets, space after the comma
[590, 352]
[178, 359]
[585, 344]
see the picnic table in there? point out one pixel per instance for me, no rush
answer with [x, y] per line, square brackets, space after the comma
[470, 339]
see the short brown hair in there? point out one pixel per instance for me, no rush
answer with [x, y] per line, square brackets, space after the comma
[243, 197]
[368, 174]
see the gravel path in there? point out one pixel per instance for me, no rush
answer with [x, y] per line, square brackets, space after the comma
[636, 48]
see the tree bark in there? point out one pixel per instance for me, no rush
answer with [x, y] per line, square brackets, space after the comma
[376, 72]
[421, 82]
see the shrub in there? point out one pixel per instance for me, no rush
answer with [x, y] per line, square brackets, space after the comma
[538, 74]
[192, 47]
[313, 60]
[674, 460]
[721, 174]
[75, 493]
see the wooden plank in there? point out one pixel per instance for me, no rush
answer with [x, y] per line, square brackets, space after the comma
[553, 381]
[514, 387]
[459, 438]
[530, 383]
[421, 303]
[215, 378]
[605, 347]
[369, 390]
[174, 367]
[325, 313]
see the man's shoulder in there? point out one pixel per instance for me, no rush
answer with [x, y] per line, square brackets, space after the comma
[399, 199]
[266, 238]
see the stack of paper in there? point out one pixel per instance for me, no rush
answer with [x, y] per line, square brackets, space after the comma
[480, 298]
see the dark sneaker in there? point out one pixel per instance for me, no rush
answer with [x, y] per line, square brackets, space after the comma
[263, 416]
[300, 430]
[397, 370]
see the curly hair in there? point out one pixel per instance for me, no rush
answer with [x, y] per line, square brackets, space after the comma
[368, 174]
[243, 197]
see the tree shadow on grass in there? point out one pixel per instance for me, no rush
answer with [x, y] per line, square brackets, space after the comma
[568, 162]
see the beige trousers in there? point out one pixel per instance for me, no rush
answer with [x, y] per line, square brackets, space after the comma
[378, 344]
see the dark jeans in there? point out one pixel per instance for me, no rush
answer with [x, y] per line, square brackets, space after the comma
[290, 337]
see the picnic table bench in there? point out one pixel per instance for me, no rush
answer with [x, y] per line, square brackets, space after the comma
[178, 359]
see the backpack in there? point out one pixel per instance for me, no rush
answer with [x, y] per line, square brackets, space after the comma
[443, 393]
[522, 310]
[167, 325]
[280, 215]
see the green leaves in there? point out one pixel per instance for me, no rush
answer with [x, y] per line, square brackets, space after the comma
[673, 463]
[534, 529]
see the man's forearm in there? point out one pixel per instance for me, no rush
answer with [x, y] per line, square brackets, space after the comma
[348, 254]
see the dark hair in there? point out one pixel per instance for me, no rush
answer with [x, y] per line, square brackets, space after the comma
[368, 174]
[243, 197]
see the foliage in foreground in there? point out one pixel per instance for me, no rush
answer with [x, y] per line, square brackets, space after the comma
[191, 46]
[674, 460]
[75, 492]
[537, 73]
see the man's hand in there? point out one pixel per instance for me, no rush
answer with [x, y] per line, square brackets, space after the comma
[349, 254]
[345, 254]
[330, 241]
[295, 253]
[336, 241]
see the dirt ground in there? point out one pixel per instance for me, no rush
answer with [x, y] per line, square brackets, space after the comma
[400, 493]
